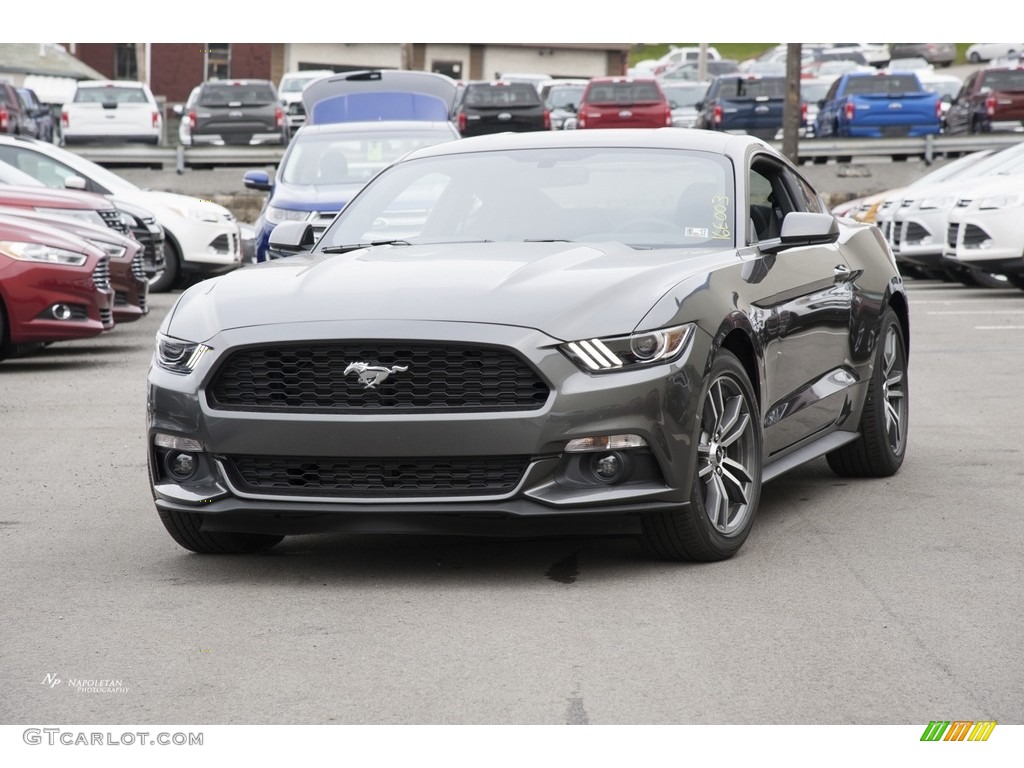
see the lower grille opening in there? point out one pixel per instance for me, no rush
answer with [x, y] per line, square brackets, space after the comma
[381, 477]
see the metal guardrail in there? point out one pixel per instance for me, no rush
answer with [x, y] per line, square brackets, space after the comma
[810, 150]
[136, 156]
[926, 147]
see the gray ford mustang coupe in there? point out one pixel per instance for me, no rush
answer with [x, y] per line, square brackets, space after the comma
[619, 330]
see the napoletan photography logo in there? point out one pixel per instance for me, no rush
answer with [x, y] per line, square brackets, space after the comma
[958, 730]
[85, 684]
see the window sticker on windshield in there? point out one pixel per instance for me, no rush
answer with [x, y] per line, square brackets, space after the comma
[375, 152]
[720, 211]
[696, 232]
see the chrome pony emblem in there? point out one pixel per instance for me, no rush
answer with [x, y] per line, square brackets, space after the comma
[372, 375]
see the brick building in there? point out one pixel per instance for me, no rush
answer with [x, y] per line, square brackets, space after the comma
[173, 69]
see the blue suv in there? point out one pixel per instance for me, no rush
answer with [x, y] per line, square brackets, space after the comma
[358, 123]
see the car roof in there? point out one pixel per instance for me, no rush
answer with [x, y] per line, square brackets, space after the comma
[657, 138]
[90, 84]
[374, 126]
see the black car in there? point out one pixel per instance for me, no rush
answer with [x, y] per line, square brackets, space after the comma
[237, 112]
[499, 106]
[626, 329]
[12, 113]
[39, 120]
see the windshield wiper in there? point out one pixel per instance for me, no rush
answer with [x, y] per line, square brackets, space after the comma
[547, 240]
[357, 246]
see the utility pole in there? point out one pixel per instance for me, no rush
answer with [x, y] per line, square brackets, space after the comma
[791, 111]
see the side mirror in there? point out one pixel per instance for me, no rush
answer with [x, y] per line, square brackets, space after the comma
[75, 182]
[178, 109]
[291, 237]
[699, 105]
[259, 180]
[571, 108]
[801, 229]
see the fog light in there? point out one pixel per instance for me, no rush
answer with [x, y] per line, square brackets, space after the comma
[182, 465]
[604, 443]
[611, 468]
[162, 440]
[61, 311]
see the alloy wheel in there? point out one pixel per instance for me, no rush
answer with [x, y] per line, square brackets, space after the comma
[725, 453]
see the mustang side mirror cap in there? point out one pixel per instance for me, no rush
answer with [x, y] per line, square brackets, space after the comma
[801, 229]
[292, 237]
[257, 180]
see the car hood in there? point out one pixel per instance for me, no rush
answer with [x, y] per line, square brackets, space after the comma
[327, 197]
[567, 290]
[160, 203]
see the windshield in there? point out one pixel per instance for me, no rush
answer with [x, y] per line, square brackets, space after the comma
[562, 96]
[635, 92]
[641, 197]
[230, 94]
[685, 95]
[296, 84]
[111, 94]
[755, 88]
[348, 159]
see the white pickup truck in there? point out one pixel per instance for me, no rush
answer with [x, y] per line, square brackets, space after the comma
[112, 110]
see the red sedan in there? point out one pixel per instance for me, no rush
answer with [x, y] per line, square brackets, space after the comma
[53, 286]
[127, 274]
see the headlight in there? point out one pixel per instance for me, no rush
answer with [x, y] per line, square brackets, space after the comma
[277, 215]
[43, 253]
[112, 250]
[197, 214]
[999, 201]
[88, 216]
[179, 356]
[936, 202]
[625, 352]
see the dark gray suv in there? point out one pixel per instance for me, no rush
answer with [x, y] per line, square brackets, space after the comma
[237, 112]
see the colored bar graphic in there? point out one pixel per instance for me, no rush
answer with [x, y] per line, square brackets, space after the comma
[935, 730]
[982, 730]
[958, 730]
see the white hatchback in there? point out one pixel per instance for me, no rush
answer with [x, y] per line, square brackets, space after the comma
[112, 110]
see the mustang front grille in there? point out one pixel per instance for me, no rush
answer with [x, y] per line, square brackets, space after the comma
[439, 476]
[413, 377]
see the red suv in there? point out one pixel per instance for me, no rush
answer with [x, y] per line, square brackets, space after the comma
[624, 102]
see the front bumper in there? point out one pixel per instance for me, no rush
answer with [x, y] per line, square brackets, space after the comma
[34, 289]
[657, 403]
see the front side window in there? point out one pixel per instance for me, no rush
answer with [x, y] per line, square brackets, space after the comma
[646, 198]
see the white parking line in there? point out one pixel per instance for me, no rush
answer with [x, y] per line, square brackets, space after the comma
[980, 312]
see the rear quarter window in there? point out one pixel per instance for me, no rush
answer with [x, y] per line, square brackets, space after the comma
[624, 93]
[516, 94]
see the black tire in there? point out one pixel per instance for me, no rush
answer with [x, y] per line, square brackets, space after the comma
[975, 58]
[882, 444]
[729, 456]
[976, 279]
[186, 529]
[163, 280]
[1017, 281]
